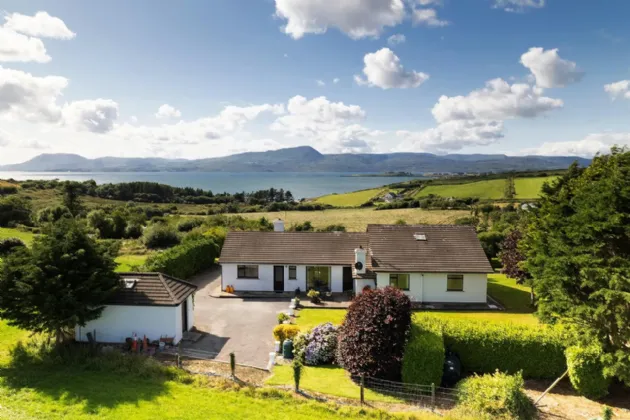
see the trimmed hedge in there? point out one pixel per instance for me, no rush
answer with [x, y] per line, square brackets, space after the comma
[285, 331]
[496, 396]
[185, 260]
[484, 347]
[586, 371]
[423, 361]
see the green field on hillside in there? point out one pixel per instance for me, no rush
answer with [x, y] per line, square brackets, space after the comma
[491, 189]
[128, 263]
[530, 187]
[353, 199]
[27, 237]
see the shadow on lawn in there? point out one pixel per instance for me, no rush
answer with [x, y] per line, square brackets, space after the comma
[513, 300]
[93, 382]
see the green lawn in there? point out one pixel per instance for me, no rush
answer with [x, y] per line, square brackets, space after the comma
[130, 262]
[27, 237]
[353, 199]
[530, 187]
[491, 189]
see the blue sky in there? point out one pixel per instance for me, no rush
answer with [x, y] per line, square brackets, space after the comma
[240, 75]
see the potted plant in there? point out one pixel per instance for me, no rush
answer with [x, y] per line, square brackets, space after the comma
[313, 295]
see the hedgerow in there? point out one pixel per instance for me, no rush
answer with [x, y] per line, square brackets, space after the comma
[586, 371]
[185, 260]
[423, 360]
[485, 347]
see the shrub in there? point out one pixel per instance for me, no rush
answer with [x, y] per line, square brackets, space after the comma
[285, 331]
[585, 371]
[185, 260]
[485, 347]
[423, 361]
[373, 335]
[317, 346]
[313, 295]
[160, 236]
[491, 242]
[14, 210]
[7, 245]
[133, 231]
[496, 396]
[189, 224]
[283, 317]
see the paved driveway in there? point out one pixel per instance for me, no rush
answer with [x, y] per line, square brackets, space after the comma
[242, 326]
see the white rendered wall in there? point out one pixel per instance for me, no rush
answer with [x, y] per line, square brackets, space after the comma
[431, 287]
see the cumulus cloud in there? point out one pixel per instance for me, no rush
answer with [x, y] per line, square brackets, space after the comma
[620, 89]
[427, 17]
[396, 39]
[27, 97]
[383, 69]
[587, 147]
[40, 25]
[357, 19]
[497, 101]
[94, 115]
[18, 47]
[518, 5]
[549, 69]
[166, 111]
[320, 83]
[451, 136]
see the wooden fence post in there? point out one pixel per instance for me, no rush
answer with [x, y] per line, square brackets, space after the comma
[362, 389]
[432, 394]
[233, 364]
[179, 351]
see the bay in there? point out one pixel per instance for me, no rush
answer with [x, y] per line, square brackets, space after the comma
[301, 184]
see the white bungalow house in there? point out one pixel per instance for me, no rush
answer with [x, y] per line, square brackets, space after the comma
[430, 263]
[148, 304]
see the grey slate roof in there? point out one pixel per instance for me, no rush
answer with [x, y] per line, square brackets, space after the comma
[447, 248]
[317, 248]
[152, 289]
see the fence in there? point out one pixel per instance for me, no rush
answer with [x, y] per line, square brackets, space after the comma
[426, 395]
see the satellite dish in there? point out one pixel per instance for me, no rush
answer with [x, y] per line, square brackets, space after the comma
[359, 265]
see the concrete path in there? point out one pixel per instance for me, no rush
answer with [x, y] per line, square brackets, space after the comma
[242, 326]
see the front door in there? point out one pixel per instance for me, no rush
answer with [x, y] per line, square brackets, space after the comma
[278, 278]
[347, 279]
[185, 315]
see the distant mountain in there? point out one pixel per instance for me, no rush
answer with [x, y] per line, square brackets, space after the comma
[300, 159]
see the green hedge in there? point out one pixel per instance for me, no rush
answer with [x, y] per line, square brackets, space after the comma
[484, 347]
[586, 371]
[496, 396]
[185, 260]
[423, 361]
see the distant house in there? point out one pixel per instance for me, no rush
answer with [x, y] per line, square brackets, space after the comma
[432, 264]
[389, 197]
[148, 304]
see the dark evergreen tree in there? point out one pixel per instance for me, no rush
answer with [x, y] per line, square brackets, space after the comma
[72, 197]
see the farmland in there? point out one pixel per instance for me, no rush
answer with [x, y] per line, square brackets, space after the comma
[530, 187]
[491, 189]
[353, 199]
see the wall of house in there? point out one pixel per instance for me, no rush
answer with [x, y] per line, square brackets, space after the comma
[118, 322]
[431, 287]
[265, 278]
[191, 311]
[359, 284]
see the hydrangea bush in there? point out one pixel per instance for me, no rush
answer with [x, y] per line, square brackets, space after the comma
[317, 346]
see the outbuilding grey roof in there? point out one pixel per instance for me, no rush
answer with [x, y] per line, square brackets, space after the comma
[151, 289]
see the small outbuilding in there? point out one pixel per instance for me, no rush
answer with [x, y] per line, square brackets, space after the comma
[154, 305]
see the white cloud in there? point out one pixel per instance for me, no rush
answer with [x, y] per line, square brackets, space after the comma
[94, 115]
[428, 17]
[18, 47]
[451, 136]
[383, 69]
[549, 69]
[31, 98]
[133, 119]
[166, 111]
[396, 39]
[618, 89]
[518, 5]
[357, 19]
[40, 25]
[497, 101]
[336, 80]
[427, 2]
[587, 147]
[320, 83]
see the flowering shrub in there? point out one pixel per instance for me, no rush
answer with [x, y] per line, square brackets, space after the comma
[317, 346]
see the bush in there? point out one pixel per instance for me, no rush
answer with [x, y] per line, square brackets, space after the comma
[283, 317]
[374, 333]
[485, 347]
[318, 346]
[160, 236]
[423, 361]
[585, 371]
[7, 245]
[285, 331]
[491, 242]
[189, 224]
[185, 260]
[313, 295]
[496, 396]
[133, 231]
[14, 210]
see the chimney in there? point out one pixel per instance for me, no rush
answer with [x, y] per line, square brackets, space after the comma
[360, 260]
[278, 225]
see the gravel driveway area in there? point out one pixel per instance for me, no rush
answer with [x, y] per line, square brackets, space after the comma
[242, 326]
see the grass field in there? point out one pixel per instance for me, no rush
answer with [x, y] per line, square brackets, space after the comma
[130, 262]
[356, 220]
[353, 199]
[492, 189]
[27, 237]
[530, 187]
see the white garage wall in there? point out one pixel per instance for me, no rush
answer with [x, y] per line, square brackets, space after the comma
[431, 287]
[118, 322]
[191, 312]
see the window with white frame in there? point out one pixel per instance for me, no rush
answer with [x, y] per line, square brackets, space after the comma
[400, 281]
[292, 272]
[455, 283]
[247, 272]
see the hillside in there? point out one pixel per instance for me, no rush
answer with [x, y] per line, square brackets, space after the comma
[301, 159]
